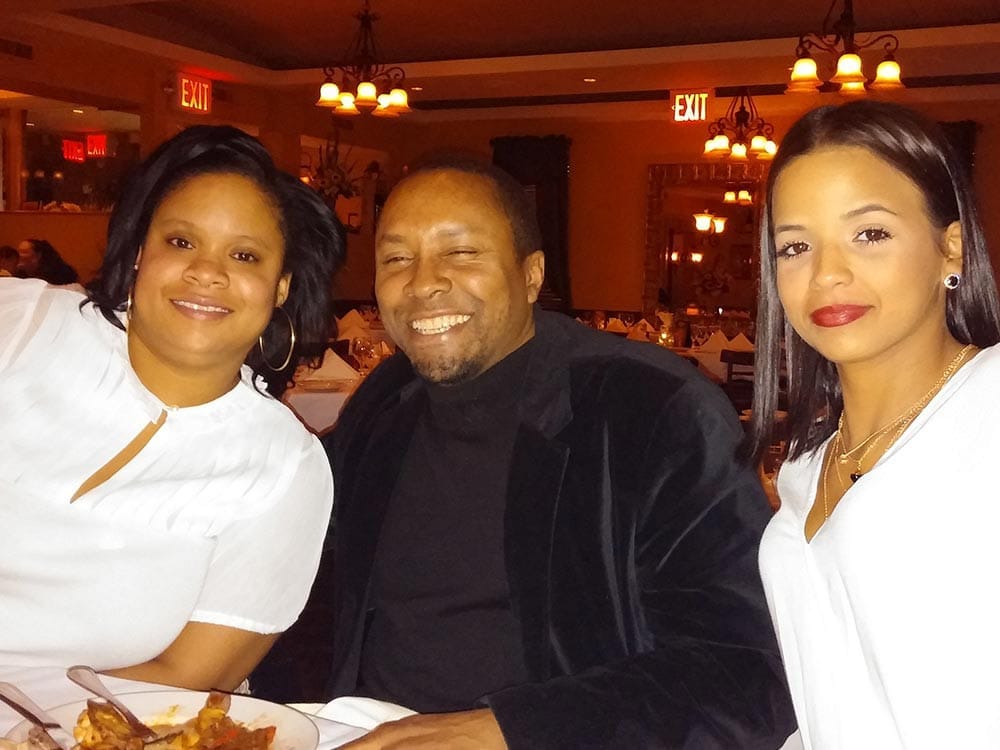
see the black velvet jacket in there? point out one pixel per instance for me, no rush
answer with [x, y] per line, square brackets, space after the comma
[631, 542]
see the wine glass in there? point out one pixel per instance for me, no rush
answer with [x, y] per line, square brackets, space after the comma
[365, 352]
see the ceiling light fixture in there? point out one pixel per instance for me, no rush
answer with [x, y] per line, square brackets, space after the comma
[741, 134]
[839, 40]
[360, 84]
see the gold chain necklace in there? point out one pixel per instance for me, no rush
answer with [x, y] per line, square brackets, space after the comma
[901, 422]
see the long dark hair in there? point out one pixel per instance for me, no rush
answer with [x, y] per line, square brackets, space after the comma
[918, 148]
[51, 266]
[313, 238]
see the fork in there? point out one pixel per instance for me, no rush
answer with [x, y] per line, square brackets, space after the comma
[87, 678]
[45, 724]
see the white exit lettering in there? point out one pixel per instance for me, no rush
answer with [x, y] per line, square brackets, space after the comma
[691, 107]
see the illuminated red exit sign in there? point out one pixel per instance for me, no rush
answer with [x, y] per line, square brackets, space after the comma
[97, 145]
[73, 150]
[194, 93]
[691, 106]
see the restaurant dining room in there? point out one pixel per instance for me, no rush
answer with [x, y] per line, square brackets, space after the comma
[640, 136]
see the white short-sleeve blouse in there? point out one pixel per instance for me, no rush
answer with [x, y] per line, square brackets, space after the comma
[889, 619]
[220, 518]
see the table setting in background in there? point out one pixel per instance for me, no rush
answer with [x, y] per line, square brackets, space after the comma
[306, 726]
[318, 394]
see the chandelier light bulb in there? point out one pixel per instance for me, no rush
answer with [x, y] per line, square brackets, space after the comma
[347, 106]
[384, 108]
[849, 69]
[697, 257]
[744, 198]
[399, 100]
[758, 144]
[719, 224]
[852, 88]
[729, 196]
[367, 94]
[887, 75]
[804, 78]
[329, 95]
[703, 221]
[710, 147]
[738, 151]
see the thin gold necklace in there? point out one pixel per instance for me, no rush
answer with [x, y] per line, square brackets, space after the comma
[901, 422]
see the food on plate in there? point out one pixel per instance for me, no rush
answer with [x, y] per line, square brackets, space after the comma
[102, 727]
[36, 740]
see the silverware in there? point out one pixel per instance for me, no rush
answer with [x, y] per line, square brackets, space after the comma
[48, 728]
[88, 679]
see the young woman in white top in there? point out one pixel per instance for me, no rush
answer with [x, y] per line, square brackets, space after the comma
[162, 514]
[881, 565]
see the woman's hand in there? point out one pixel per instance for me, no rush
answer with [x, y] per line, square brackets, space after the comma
[203, 657]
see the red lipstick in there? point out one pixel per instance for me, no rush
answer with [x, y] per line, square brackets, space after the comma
[837, 315]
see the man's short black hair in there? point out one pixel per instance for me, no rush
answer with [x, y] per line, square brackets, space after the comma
[517, 206]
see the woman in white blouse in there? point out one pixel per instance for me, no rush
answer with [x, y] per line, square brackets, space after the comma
[881, 565]
[162, 515]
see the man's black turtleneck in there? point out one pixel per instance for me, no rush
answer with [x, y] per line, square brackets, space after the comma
[440, 629]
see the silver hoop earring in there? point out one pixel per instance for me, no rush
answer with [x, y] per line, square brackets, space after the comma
[291, 346]
[952, 280]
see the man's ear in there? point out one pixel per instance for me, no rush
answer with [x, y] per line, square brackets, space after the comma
[534, 274]
[952, 247]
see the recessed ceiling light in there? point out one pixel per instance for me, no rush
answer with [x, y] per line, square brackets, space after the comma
[29, 124]
[416, 88]
[589, 80]
[77, 111]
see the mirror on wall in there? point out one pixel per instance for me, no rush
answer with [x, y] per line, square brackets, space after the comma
[701, 237]
[64, 156]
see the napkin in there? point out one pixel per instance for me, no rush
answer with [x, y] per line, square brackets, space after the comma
[332, 368]
[716, 343]
[740, 344]
[353, 319]
[615, 325]
[644, 326]
[366, 713]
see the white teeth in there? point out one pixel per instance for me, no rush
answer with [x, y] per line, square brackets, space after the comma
[440, 324]
[199, 308]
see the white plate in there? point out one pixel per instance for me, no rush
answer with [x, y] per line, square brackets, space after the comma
[294, 730]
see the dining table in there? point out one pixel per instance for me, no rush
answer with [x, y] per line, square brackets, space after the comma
[49, 687]
[338, 722]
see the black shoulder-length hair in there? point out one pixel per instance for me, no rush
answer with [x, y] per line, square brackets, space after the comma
[313, 238]
[918, 148]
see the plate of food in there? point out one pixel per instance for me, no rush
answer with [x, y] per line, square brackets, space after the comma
[185, 719]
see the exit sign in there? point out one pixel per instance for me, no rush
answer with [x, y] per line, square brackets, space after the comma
[194, 93]
[690, 107]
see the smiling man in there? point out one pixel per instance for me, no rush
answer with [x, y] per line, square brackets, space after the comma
[542, 538]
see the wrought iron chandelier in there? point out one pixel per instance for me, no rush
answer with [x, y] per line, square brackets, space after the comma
[839, 40]
[741, 134]
[360, 84]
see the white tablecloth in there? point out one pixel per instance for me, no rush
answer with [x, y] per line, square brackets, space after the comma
[318, 408]
[48, 687]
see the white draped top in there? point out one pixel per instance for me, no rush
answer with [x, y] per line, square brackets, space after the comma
[889, 620]
[220, 518]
